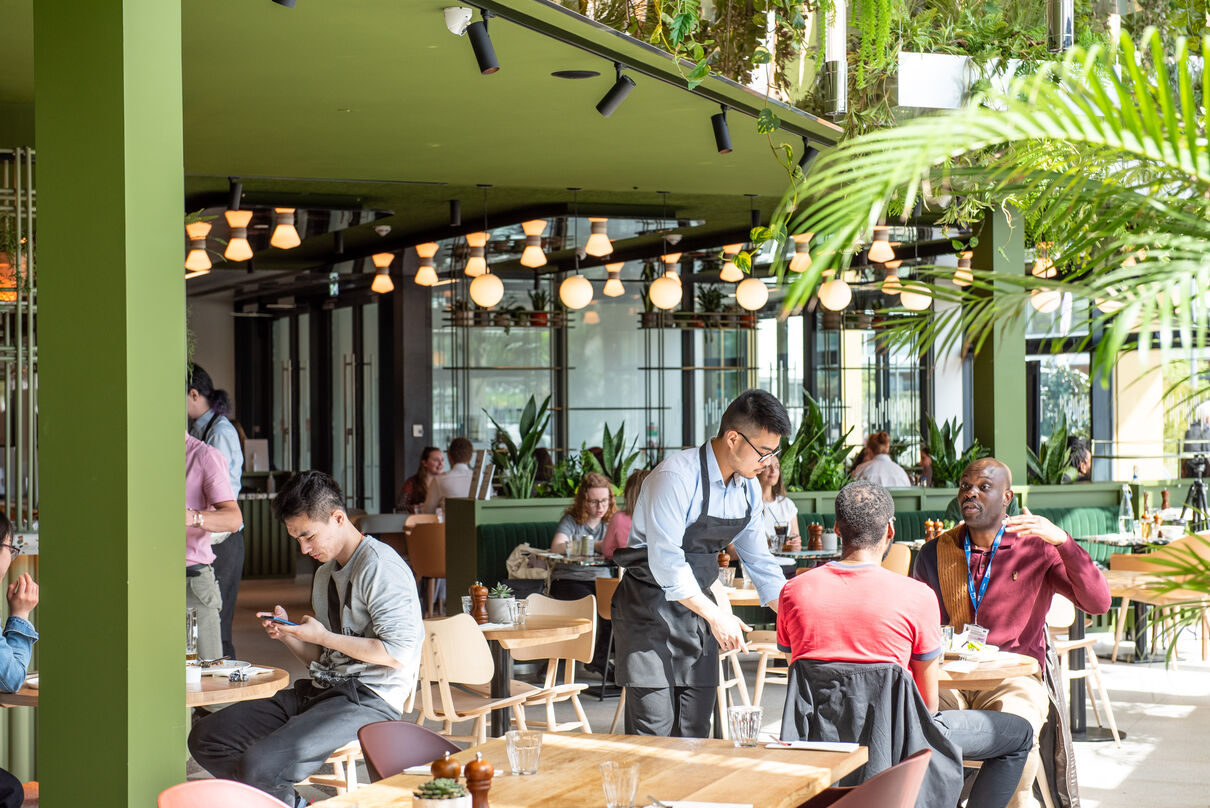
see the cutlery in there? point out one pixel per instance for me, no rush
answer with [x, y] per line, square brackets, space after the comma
[656, 803]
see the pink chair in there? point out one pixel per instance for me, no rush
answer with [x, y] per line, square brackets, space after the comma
[896, 787]
[209, 793]
[391, 746]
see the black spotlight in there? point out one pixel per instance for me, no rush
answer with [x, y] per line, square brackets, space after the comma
[455, 213]
[236, 193]
[616, 95]
[286, 3]
[481, 43]
[809, 153]
[722, 135]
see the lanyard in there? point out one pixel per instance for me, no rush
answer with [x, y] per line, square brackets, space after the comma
[987, 573]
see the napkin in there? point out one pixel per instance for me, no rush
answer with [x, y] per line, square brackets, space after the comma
[419, 770]
[964, 666]
[814, 746]
[255, 671]
[489, 626]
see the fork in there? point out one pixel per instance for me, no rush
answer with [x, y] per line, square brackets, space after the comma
[656, 803]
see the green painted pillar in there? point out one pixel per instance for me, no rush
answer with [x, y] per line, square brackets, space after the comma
[110, 249]
[999, 372]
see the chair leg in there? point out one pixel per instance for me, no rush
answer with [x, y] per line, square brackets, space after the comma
[740, 682]
[481, 728]
[1118, 628]
[617, 713]
[608, 654]
[581, 716]
[518, 716]
[720, 699]
[758, 687]
[1205, 634]
[1094, 673]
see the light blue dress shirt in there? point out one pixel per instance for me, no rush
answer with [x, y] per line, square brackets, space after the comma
[224, 438]
[15, 651]
[671, 500]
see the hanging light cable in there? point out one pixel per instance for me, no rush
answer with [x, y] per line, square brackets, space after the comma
[476, 263]
[576, 291]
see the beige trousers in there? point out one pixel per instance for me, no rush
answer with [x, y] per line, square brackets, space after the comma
[1021, 695]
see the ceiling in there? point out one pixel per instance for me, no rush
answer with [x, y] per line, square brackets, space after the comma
[375, 104]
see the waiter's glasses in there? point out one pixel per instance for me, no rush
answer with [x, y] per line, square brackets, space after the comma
[761, 457]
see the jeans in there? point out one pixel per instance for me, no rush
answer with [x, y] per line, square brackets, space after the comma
[1001, 740]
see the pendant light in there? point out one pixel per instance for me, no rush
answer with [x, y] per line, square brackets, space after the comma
[532, 256]
[670, 263]
[426, 273]
[1044, 267]
[1046, 301]
[834, 294]
[801, 261]
[487, 290]
[891, 284]
[751, 293]
[197, 259]
[665, 292]
[238, 248]
[880, 248]
[476, 264]
[915, 296]
[576, 291]
[598, 244]
[382, 282]
[285, 235]
[1111, 304]
[963, 276]
[613, 286]
[893, 264]
[730, 273]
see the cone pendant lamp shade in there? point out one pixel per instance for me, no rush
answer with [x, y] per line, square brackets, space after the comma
[532, 256]
[426, 273]
[382, 282]
[476, 265]
[880, 248]
[598, 242]
[197, 259]
[801, 261]
[613, 286]
[238, 248]
[285, 236]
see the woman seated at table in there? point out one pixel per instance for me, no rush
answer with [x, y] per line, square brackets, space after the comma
[881, 468]
[618, 530]
[416, 488]
[779, 512]
[588, 516]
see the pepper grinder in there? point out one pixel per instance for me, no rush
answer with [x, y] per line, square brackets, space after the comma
[478, 594]
[478, 775]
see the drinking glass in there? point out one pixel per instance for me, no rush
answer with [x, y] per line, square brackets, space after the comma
[518, 612]
[191, 634]
[524, 749]
[745, 725]
[621, 782]
[466, 604]
[947, 637]
[726, 576]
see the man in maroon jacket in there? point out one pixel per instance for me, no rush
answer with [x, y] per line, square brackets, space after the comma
[1000, 572]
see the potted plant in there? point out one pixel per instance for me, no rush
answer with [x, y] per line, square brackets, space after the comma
[539, 299]
[463, 316]
[500, 602]
[516, 460]
[441, 793]
[1052, 464]
[483, 316]
[733, 316]
[616, 458]
[942, 446]
[710, 303]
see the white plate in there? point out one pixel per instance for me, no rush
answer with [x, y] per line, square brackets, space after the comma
[225, 667]
[32, 681]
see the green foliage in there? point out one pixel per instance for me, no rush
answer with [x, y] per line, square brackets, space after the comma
[516, 461]
[710, 298]
[500, 590]
[810, 462]
[617, 458]
[1185, 575]
[440, 789]
[1052, 464]
[942, 445]
[565, 477]
[539, 299]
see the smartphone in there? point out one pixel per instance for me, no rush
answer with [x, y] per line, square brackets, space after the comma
[277, 620]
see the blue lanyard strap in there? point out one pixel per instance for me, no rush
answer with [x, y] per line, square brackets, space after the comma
[987, 572]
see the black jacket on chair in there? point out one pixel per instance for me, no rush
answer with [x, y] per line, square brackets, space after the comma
[878, 706]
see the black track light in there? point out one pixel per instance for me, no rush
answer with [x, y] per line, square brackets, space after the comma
[722, 135]
[455, 213]
[286, 3]
[338, 242]
[617, 93]
[481, 43]
[236, 191]
[809, 153]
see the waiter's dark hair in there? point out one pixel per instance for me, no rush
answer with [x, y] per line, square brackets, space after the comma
[196, 378]
[754, 410]
[863, 511]
[312, 493]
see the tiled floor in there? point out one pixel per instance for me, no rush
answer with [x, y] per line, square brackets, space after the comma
[1165, 760]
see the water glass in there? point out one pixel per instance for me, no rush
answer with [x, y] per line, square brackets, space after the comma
[947, 637]
[190, 634]
[744, 724]
[524, 749]
[518, 611]
[466, 604]
[726, 576]
[621, 783]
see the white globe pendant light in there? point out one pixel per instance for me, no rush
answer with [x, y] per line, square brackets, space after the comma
[665, 292]
[1046, 301]
[575, 292]
[915, 297]
[835, 294]
[487, 290]
[751, 293]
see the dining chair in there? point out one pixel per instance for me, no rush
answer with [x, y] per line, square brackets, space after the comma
[895, 787]
[1165, 603]
[1059, 620]
[898, 558]
[392, 746]
[764, 644]
[414, 519]
[388, 528]
[208, 793]
[426, 555]
[736, 680]
[343, 777]
[605, 587]
[454, 658]
[567, 652]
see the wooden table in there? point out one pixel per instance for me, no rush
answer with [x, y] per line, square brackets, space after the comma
[669, 769]
[212, 690]
[538, 630]
[987, 675]
[743, 596]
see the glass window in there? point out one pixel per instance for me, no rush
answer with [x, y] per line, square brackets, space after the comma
[1064, 389]
[282, 419]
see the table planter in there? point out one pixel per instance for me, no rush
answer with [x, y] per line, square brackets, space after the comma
[499, 610]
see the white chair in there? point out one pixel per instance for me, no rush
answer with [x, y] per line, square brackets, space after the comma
[455, 653]
[736, 680]
[1059, 620]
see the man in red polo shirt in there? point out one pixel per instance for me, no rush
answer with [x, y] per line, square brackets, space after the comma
[1000, 572]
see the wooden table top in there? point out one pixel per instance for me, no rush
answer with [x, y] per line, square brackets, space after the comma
[988, 675]
[669, 769]
[212, 690]
[743, 596]
[538, 629]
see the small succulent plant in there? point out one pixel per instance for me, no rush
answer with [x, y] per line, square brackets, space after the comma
[440, 789]
[500, 591]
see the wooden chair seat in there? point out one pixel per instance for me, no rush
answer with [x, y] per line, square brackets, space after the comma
[344, 769]
[764, 644]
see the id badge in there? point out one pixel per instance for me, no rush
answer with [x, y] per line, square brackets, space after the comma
[975, 633]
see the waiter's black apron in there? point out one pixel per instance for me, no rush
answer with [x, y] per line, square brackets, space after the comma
[660, 642]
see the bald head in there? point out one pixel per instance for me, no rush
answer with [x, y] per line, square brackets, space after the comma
[990, 466]
[984, 492]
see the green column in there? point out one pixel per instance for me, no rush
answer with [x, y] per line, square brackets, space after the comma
[111, 305]
[999, 372]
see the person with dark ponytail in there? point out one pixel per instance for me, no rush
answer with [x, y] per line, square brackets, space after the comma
[209, 412]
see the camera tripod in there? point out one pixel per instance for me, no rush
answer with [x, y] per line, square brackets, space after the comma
[1195, 500]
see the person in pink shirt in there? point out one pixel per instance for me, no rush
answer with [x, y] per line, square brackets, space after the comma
[618, 530]
[209, 508]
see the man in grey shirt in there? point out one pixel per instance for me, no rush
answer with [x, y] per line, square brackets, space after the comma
[362, 650]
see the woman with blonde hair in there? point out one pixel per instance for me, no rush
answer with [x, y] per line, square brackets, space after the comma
[619, 526]
[881, 468]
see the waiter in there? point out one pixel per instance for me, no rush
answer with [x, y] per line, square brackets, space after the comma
[667, 626]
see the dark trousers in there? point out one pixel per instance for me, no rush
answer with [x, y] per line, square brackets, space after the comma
[228, 569]
[276, 742]
[12, 793]
[1001, 740]
[669, 712]
[563, 589]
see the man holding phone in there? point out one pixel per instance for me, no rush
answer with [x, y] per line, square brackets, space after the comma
[363, 652]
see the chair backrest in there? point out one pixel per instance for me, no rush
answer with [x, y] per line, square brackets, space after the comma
[605, 589]
[455, 650]
[898, 558]
[418, 519]
[376, 523]
[426, 550]
[391, 746]
[1062, 613]
[579, 648]
[208, 793]
[896, 787]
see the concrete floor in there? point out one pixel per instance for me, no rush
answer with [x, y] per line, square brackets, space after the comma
[1165, 760]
